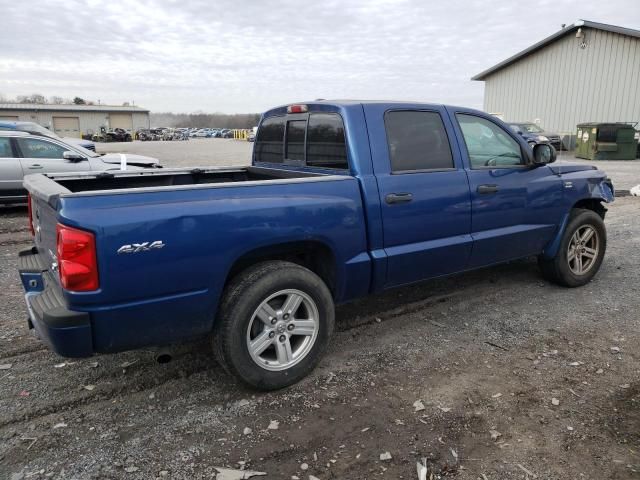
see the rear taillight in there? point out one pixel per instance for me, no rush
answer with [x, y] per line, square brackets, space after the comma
[30, 211]
[77, 259]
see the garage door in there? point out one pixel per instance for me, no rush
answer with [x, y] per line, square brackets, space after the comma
[7, 118]
[67, 126]
[121, 120]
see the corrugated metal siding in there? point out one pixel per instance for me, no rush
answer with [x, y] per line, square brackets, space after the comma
[90, 122]
[563, 85]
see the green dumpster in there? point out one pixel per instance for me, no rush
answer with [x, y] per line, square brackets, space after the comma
[606, 141]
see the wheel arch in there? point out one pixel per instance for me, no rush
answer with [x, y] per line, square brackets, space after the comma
[315, 255]
[593, 203]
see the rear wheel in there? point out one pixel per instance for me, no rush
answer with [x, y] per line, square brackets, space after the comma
[581, 251]
[274, 324]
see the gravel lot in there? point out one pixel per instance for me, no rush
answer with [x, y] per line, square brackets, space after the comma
[515, 375]
[194, 152]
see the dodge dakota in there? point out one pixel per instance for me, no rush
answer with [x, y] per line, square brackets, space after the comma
[342, 199]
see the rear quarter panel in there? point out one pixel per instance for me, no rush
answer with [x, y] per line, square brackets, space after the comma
[172, 293]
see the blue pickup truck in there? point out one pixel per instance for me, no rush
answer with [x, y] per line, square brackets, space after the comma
[342, 200]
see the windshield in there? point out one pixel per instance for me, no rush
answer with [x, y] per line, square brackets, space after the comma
[531, 128]
[35, 128]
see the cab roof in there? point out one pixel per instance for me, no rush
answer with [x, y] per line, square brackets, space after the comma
[321, 104]
[13, 133]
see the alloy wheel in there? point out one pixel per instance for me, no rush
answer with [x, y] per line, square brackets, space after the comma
[282, 330]
[583, 250]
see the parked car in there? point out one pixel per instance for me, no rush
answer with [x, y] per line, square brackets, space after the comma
[22, 153]
[533, 134]
[251, 136]
[113, 135]
[144, 135]
[203, 133]
[37, 129]
[226, 133]
[356, 198]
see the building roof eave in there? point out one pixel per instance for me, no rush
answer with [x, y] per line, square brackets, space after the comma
[551, 38]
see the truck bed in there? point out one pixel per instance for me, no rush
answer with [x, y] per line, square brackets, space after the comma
[51, 186]
[207, 221]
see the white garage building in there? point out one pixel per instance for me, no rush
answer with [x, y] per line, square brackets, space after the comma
[76, 120]
[586, 72]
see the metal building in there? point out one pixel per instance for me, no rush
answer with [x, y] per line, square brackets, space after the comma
[76, 120]
[586, 72]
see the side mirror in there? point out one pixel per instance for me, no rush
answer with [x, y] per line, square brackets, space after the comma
[72, 156]
[520, 132]
[543, 153]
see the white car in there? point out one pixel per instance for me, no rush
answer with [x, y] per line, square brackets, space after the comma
[22, 153]
[36, 129]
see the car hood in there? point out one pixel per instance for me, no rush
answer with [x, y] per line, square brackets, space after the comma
[549, 134]
[561, 167]
[544, 134]
[130, 158]
[78, 141]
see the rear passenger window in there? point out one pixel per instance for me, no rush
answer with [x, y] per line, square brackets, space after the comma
[417, 141]
[325, 141]
[269, 147]
[5, 148]
[295, 139]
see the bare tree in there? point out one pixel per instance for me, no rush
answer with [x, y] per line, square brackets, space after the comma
[56, 100]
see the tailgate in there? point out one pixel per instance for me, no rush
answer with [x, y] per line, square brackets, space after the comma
[44, 218]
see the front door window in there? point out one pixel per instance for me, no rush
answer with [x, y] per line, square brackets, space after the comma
[488, 145]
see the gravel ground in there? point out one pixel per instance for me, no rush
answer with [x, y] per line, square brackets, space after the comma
[515, 378]
[624, 173]
[194, 152]
[217, 151]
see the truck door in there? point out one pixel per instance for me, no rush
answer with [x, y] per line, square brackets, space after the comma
[45, 156]
[424, 193]
[515, 207]
[10, 172]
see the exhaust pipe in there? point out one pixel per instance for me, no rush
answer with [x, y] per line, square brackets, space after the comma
[163, 357]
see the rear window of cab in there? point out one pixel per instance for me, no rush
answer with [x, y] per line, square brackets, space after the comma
[315, 140]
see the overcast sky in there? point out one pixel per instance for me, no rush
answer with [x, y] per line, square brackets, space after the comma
[246, 56]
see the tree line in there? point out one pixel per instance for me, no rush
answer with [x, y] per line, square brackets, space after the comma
[42, 100]
[204, 120]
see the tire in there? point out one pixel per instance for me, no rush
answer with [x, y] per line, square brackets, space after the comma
[245, 318]
[562, 269]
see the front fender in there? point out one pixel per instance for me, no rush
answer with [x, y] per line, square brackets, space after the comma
[599, 191]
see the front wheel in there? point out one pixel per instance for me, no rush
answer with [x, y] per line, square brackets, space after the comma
[581, 250]
[273, 325]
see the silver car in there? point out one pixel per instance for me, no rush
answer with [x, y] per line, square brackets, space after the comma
[22, 153]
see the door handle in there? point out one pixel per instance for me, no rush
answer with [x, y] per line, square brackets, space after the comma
[398, 198]
[484, 189]
[35, 165]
